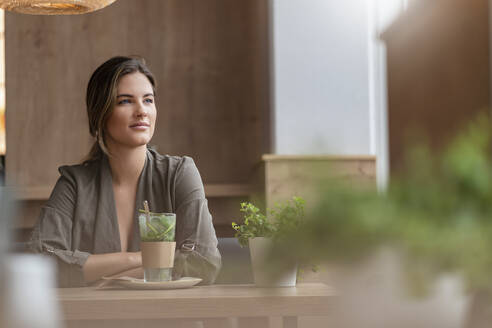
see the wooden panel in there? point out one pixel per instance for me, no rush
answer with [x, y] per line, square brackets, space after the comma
[438, 72]
[225, 210]
[209, 58]
[287, 176]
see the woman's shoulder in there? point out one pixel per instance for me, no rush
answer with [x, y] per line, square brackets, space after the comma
[182, 175]
[85, 171]
[170, 163]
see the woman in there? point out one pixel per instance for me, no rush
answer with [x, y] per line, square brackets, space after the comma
[89, 223]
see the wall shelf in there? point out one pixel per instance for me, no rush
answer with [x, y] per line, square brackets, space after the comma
[228, 190]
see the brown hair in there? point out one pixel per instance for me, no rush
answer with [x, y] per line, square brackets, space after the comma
[101, 96]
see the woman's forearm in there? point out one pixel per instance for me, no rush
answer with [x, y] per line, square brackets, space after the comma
[134, 273]
[100, 265]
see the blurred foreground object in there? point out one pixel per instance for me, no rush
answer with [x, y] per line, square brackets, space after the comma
[30, 291]
[50, 7]
[6, 215]
[438, 214]
[26, 281]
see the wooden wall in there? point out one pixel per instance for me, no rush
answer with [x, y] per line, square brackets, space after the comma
[210, 58]
[302, 175]
[438, 71]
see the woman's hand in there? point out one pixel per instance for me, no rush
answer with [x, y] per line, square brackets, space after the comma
[133, 273]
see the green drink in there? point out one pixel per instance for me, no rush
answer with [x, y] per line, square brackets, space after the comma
[157, 234]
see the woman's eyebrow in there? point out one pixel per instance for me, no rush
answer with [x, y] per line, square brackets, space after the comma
[131, 96]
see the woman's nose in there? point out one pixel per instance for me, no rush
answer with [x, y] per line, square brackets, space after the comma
[141, 109]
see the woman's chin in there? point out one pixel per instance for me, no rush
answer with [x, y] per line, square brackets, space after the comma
[139, 141]
[140, 144]
[129, 144]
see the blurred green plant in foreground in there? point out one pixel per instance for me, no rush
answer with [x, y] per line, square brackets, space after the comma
[439, 213]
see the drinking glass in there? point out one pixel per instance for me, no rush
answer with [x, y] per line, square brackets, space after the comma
[157, 233]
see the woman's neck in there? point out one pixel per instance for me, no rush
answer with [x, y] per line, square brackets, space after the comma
[127, 164]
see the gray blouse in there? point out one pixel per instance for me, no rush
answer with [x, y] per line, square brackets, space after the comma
[80, 217]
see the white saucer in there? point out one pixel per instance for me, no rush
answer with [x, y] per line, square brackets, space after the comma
[133, 283]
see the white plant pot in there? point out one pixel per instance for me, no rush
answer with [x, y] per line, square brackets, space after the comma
[258, 248]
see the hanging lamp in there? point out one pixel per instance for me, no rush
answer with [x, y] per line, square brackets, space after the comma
[54, 7]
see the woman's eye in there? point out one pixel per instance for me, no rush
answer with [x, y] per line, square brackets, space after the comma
[149, 101]
[124, 101]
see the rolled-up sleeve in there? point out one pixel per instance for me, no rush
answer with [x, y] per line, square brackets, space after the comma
[52, 234]
[197, 254]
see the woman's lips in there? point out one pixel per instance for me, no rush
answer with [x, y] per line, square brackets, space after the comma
[140, 126]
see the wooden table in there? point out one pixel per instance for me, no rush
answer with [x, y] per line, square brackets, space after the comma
[216, 301]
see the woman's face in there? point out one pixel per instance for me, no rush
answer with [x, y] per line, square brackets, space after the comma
[132, 122]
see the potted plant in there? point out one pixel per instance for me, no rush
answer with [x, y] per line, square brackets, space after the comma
[260, 233]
